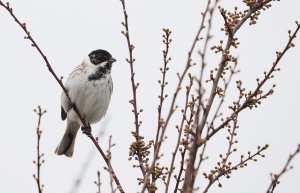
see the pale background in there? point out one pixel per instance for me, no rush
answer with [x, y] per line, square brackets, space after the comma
[68, 30]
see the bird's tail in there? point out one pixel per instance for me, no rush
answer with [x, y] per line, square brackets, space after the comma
[66, 145]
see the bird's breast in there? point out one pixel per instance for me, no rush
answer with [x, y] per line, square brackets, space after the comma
[94, 100]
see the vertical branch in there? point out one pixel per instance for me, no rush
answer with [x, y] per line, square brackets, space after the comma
[203, 61]
[184, 73]
[86, 125]
[131, 61]
[134, 86]
[109, 169]
[188, 105]
[172, 106]
[39, 161]
[160, 121]
[98, 183]
[181, 170]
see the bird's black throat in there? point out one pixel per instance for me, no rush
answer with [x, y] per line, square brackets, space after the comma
[101, 72]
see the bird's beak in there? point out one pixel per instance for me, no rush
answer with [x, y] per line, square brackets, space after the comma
[112, 60]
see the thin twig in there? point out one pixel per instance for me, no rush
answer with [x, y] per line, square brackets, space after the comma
[98, 183]
[163, 83]
[227, 169]
[160, 122]
[109, 156]
[180, 130]
[134, 86]
[180, 170]
[39, 161]
[286, 168]
[203, 61]
[86, 125]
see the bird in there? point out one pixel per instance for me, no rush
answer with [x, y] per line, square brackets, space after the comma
[89, 87]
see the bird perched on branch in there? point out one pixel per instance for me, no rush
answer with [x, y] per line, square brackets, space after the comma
[90, 87]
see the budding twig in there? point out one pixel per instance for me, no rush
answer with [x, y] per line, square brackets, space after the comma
[286, 168]
[39, 161]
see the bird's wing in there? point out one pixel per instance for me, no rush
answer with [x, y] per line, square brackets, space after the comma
[63, 114]
[72, 85]
[64, 106]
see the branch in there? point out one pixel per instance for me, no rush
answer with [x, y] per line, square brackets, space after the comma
[226, 169]
[178, 178]
[134, 86]
[39, 161]
[203, 61]
[109, 155]
[163, 83]
[286, 168]
[231, 41]
[188, 105]
[178, 88]
[86, 125]
[98, 183]
[249, 101]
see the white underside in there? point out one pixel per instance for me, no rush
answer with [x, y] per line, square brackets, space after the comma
[90, 97]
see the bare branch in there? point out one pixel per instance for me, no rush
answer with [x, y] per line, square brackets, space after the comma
[275, 177]
[134, 87]
[225, 169]
[98, 183]
[226, 57]
[172, 106]
[39, 161]
[188, 105]
[249, 101]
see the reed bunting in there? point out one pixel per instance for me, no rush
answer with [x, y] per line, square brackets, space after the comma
[90, 87]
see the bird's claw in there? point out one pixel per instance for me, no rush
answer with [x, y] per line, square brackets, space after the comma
[86, 130]
[71, 105]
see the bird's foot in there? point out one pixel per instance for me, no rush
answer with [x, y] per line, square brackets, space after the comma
[71, 105]
[86, 130]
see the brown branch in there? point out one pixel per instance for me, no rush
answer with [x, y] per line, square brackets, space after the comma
[39, 161]
[134, 86]
[180, 129]
[98, 183]
[162, 96]
[131, 60]
[178, 180]
[203, 61]
[268, 75]
[226, 169]
[226, 84]
[190, 172]
[163, 82]
[86, 125]
[286, 168]
[177, 90]
[109, 169]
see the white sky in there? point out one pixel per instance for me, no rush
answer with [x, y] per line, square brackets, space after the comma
[68, 30]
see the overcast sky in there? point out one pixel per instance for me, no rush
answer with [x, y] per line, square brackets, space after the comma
[68, 30]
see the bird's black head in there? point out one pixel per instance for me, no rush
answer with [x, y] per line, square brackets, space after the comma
[100, 56]
[103, 61]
